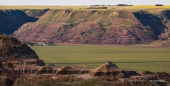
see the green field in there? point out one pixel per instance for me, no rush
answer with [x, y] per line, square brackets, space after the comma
[138, 58]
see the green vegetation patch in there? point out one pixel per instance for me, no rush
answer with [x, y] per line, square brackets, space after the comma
[136, 58]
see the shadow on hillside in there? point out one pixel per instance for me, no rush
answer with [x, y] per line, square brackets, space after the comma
[151, 22]
[113, 62]
[166, 13]
[11, 20]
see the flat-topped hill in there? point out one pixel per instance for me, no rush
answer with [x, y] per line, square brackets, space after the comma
[86, 24]
[97, 27]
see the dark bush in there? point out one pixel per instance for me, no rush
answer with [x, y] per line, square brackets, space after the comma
[97, 8]
[123, 5]
[159, 5]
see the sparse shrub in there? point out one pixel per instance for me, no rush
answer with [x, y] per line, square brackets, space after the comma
[88, 82]
[123, 5]
[46, 83]
[159, 5]
[122, 14]
[97, 8]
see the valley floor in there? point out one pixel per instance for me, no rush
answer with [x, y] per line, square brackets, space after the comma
[137, 57]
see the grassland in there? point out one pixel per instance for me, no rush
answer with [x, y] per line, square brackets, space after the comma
[86, 7]
[138, 58]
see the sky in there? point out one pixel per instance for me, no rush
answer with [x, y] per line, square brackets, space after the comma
[83, 2]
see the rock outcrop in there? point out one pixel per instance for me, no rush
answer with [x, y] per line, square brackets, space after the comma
[111, 70]
[162, 75]
[108, 69]
[8, 78]
[11, 48]
[48, 69]
[97, 27]
[18, 57]
[68, 70]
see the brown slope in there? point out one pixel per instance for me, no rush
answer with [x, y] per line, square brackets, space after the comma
[11, 48]
[15, 56]
[94, 27]
[15, 59]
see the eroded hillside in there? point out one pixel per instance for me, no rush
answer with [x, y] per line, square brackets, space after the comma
[97, 27]
[11, 20]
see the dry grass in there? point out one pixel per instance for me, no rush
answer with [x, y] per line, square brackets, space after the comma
[43, 7]
[151, 6]
[85, 7]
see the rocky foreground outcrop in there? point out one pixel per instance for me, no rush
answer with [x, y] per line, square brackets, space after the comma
[15, 56]
[18, 61]
[109, 69]
[108, 74]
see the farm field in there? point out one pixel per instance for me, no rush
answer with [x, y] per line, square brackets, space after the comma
[137, 58]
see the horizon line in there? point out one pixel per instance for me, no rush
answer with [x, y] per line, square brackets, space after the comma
[82, 5]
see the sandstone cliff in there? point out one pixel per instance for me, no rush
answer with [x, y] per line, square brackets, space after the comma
[97, 27]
